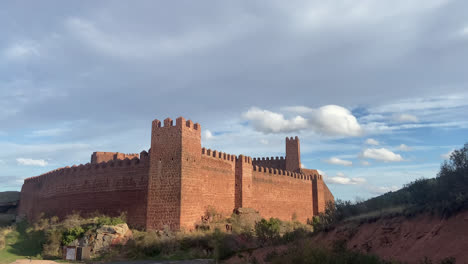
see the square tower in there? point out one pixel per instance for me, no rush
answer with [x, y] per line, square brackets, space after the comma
[293, 154]
[174, 157]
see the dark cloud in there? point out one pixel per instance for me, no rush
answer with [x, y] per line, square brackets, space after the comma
[100, 72]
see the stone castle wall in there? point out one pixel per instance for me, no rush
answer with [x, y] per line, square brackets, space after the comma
[176, 182]
[109, 188]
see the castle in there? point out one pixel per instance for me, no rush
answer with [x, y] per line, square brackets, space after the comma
[176, 181]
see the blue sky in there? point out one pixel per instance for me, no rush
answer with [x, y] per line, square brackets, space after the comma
[376, 90]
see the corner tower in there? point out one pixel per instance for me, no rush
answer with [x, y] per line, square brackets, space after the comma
[293, 154]
[174, 157]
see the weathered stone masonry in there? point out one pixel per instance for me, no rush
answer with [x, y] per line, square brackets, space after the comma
[176, 181]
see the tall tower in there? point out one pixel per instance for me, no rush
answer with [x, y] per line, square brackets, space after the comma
[293, 154]
[175, 155]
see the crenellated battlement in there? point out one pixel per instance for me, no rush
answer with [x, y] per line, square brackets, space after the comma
[91, 167]
[180, 123]
[244, 159]
[272, 171]
[218, 155]
[269, 158]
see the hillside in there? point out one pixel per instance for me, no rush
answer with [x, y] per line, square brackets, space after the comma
[405, 239]
[8, 205]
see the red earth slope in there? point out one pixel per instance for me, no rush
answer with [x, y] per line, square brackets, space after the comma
[407, 239]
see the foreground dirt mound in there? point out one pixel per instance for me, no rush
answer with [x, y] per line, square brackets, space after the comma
[407, 239]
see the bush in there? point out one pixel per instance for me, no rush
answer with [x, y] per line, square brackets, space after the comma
[52, 246]
[268, 230]
[71, 234]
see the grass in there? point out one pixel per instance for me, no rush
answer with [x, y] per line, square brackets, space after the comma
[20, 243]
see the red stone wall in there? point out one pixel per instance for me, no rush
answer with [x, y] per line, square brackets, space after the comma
[281, 194]
[218, 172]
[276, 163]
[108, 188]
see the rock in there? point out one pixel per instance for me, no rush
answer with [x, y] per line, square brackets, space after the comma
[104, 238]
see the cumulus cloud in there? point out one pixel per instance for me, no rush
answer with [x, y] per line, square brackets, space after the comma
[405, 118]
[447, 155]
[381, 154]
[404, 147]
[340, 178]
[338, 161]
[270, 122]
[31, 162]
[371, 141]
[331, 120]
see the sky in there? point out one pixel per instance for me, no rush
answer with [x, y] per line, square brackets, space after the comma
[375, 90]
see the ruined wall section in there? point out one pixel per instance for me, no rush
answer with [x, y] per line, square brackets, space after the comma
[98, 157]
[218, 172]
[107, 188]
[282, 194]
[275, 163]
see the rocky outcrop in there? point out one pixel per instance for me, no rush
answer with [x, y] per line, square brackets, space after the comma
[104, 238]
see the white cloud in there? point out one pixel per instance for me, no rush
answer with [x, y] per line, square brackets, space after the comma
[335, 120]
[381, 154]
[405, 118]
[447, 155]
[371, 141]
[340, 178]
[21, 50]
[264, 141]
[404, 147]
[330, 120]
[270, 122]
[31, 162]
[338, 161]
[365, 163]
[207, 134]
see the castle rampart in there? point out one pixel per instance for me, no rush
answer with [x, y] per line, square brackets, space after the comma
[176, 181]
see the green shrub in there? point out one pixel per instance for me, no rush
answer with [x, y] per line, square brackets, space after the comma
[268, 230]
[71, 234]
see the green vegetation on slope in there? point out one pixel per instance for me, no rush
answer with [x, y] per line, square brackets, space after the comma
[445, 195]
